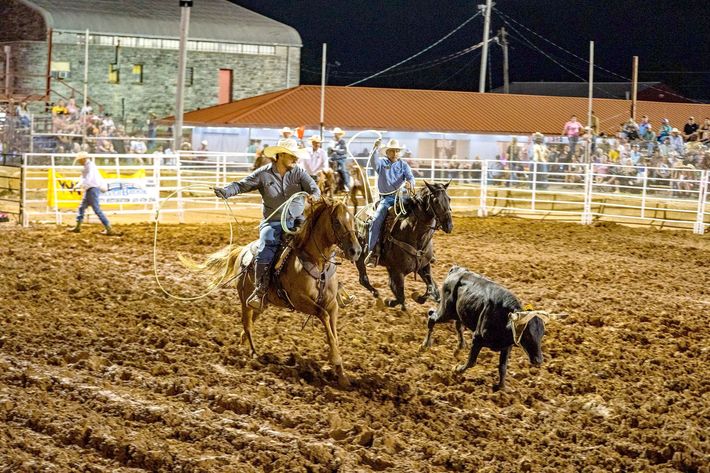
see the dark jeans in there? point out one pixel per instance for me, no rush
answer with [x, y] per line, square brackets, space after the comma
[91, 198]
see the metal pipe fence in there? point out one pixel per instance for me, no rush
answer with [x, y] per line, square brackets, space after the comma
[674, 198]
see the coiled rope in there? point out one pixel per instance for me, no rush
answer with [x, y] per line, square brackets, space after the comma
[284, 225]
[155, 245]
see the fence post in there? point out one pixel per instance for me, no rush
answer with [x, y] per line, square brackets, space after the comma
[57, 216]
[433, 170]
[178, 180]
[587, 208]
[699, 227]
[24, 218]
[157, 163]
[534, 187]
[643, 193]
[483, 205]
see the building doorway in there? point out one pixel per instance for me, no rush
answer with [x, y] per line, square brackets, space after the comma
[225, 86]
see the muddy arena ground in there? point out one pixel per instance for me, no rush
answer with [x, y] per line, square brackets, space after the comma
[100, 371]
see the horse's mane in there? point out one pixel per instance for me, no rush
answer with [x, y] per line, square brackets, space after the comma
[313, 213]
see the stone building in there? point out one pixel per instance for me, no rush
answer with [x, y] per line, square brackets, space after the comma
[233, 53]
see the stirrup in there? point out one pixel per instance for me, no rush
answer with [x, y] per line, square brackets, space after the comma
[255, 301]
[371, 259]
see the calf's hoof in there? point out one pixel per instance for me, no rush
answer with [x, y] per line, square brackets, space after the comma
[498, 387]
[391, 302]
[460, 368]
[424, 347]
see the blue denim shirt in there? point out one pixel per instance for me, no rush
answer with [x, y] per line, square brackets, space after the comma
[275, 189]
[391, 176]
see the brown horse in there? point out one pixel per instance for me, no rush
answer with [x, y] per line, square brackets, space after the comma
[307, 275]
[326, 182]
[408, 247]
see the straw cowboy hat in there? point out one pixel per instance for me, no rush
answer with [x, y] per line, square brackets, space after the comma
[338, 131]
[81, 156]
[392, 144]
[675, 130]
[286, 147]
[315, 138]
[286, 130]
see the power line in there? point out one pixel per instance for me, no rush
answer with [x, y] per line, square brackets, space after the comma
[475, 56]
[417, 54]
[504, 16]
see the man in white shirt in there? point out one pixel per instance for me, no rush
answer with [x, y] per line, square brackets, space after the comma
[317, 159]
[92, 183]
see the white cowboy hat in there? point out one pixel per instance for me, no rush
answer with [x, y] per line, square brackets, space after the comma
[675, 130]
[392, 144]
[287, 147]
[338, 131]
[286, 130]
[315, 138]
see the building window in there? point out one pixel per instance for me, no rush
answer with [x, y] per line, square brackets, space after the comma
[189, 76]
[113, 74]
[137, 73]
[60, 70]
[250, 49]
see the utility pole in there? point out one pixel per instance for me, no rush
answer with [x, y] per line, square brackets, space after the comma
[503, 40]
[634, 86]
[322, 89]
[587, 151]
[484, 56]
[86, 86]
[185, 6]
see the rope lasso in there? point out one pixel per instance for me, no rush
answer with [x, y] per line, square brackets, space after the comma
[155, 245]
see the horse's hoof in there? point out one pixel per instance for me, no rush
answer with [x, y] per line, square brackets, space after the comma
[424, 347]
[460, 368]
[254, 355]
[498, 387]
[391, 302]
[420, 299]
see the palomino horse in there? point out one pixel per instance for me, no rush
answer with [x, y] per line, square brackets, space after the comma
[407, 247]
[358, 184]
[307, 275]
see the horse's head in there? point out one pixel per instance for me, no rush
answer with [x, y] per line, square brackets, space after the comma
[438, 204]
[340, 229]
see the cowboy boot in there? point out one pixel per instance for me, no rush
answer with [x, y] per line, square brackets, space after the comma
[108, 231]
[76, 229]
[261, 286]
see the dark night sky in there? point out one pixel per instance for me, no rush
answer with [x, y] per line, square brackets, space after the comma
[366, 36]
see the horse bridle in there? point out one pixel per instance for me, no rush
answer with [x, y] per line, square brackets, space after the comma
[430, 209]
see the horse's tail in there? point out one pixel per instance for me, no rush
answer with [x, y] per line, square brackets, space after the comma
[221, 266]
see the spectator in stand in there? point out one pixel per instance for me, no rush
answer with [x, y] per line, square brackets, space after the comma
[138, 146]
[517, 167]
[317, 159]
[649, 138]
[152, 129]
[60, 108]
[704, 132]
[665, 130]
[107, 123]
[665, 147]
[73, 109]
[338, 155]
[634, 155]
[643, 125]
[631, 130]
[23, 115]
[676, 141]
[572, 131]
[690, 130]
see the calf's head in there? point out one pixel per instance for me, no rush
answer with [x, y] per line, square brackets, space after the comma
[528, 329]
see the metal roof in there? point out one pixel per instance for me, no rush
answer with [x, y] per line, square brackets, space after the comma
[607, 90]
[212, 20]
[362, 108]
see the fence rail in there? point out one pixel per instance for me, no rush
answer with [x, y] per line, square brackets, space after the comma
[676, 198]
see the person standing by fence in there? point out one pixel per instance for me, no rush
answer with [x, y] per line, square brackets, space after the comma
[92, 182]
